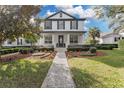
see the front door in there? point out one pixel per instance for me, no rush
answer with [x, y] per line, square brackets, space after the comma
[60, 40]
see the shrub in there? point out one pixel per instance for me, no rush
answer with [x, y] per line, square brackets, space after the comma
[43, 49]
[78, 47]
[14, 50]
[121, 44]
[92, 49]
[106, 46]
[26, 50]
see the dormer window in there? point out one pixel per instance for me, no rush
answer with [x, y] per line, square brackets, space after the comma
[48, 25]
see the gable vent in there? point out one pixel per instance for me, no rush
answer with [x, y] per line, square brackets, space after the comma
[60, 14]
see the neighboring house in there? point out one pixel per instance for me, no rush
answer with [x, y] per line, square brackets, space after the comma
[110, 37]
[59, 30]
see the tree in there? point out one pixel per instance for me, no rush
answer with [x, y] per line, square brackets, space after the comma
[15, 22]
[33, 38]
[113, 14]
[94, 33]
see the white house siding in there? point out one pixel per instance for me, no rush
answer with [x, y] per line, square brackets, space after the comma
[110, 39]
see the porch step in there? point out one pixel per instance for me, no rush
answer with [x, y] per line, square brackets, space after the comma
[60, 49]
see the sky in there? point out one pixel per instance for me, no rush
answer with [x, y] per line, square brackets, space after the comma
[79, 11]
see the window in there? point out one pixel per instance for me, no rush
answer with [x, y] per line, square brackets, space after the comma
[116, 39]
[48, 25]
[19, 41]
[61, 24]
[48, 39]
[27, 41]
[73, 38]
[74, 25]
[9, 42]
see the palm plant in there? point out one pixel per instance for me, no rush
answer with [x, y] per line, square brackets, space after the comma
[93, 34]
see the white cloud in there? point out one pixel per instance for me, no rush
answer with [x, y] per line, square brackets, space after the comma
[89, 13]
[49, 13]
[64, 6]
[78, 10]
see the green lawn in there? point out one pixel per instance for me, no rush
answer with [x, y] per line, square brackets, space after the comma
[105, 71]
[24, 73]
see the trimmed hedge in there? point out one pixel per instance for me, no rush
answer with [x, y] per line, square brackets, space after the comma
[44, 49]
[26, 50]
[106, 46]
[12, 50]
[8, 50]
[87, 47]
[78, 47]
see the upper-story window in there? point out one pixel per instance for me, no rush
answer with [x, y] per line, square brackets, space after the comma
[48, 25]
[60, 24]
[74, 25]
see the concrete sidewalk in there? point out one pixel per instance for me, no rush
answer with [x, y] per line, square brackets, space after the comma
[59, 75]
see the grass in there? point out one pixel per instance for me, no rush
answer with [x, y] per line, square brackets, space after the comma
[104, 71]
[24, 73]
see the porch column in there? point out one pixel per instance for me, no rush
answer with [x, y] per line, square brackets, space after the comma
[53, 40]
[68, 40]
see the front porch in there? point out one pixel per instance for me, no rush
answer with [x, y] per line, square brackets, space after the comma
[62, 40]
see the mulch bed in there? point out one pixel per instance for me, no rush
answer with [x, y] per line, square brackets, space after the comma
[84, 54]
[50, 55]
[16, 56]
[13, 57]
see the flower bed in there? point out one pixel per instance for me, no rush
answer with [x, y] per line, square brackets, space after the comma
[13, 57]
[84, 54]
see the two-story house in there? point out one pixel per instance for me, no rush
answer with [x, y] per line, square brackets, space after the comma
[62, 29]
[59, 30]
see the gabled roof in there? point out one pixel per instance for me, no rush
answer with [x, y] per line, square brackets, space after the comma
[64, 13]
[60, 12]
